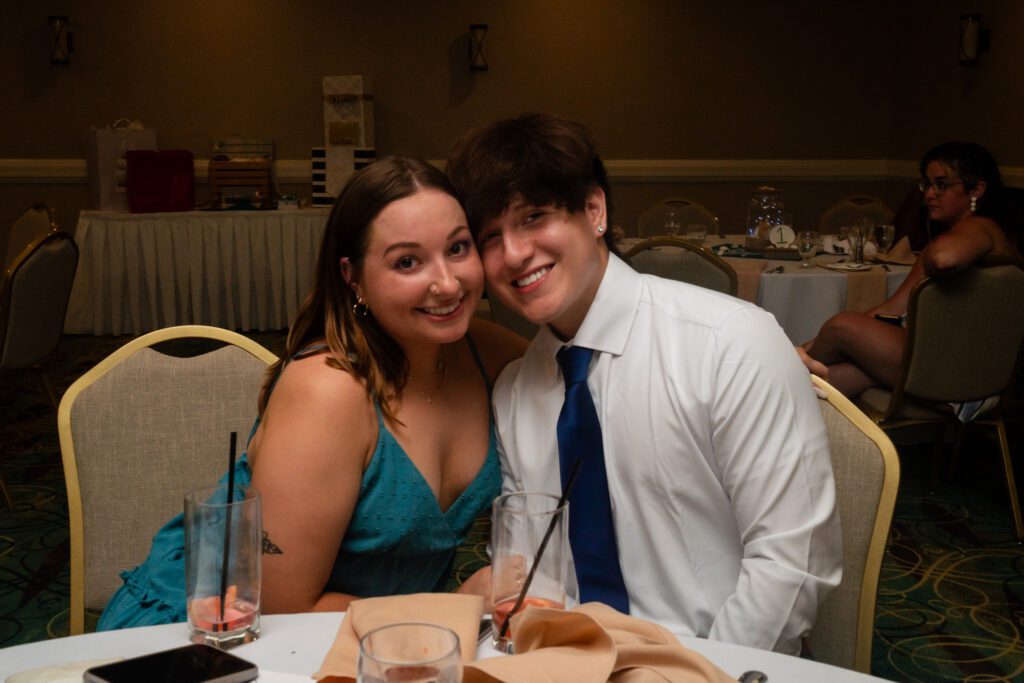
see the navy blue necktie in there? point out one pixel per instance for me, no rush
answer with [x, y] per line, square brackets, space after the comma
[591, 527]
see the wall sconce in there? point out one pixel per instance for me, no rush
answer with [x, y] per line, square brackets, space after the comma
[477, 59]
[973, 39]
[61, 46]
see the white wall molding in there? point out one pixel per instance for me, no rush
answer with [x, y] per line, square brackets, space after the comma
[73, 171]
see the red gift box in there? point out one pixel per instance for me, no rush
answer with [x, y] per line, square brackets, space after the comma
[160, 181]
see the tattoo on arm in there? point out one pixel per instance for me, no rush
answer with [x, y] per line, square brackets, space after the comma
[269, 548]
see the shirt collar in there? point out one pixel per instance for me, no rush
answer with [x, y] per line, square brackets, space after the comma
[610, 318]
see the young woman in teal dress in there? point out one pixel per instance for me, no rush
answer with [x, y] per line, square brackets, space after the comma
[374, 448]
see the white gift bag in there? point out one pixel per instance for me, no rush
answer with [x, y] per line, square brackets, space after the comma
[105, 148]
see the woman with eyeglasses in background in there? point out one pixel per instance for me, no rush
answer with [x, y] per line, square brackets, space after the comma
[963, 191]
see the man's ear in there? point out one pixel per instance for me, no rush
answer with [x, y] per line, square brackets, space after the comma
[596, 209]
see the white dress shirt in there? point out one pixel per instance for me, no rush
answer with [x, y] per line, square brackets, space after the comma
[717, 456]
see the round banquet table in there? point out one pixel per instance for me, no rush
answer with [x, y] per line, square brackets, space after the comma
[801, 299]
[292, 646]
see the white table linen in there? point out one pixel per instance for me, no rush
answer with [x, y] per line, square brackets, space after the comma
[247, 270]
[801, 299]
[297, 643]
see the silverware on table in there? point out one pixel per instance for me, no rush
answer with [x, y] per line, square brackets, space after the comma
[753, 677]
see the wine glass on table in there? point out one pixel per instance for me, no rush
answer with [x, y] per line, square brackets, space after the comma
[884, 235]
[807, 246]
[673, 222]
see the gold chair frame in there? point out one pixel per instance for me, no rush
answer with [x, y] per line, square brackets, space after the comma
[67, 444]
[681, 243]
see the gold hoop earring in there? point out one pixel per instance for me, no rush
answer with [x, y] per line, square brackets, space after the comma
[359, 308]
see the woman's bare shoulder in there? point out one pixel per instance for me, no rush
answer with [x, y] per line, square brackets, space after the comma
[320, 391]
[498, 346]
[324, 409]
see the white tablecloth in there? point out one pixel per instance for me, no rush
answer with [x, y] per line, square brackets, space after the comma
[297, 643]
[801, 299]
[247, 270]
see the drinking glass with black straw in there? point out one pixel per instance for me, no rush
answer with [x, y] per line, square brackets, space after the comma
[570, 482]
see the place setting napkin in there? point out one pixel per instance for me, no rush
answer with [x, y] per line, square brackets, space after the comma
[591, 642]
[900, 254]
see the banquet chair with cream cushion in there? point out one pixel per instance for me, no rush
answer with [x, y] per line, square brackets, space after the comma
[652, 221]
[137, 432]
[867, 474]
[34, 293]
[37, 221]
[964, 336]
[679, 259]
[34, 297]
[847, 212]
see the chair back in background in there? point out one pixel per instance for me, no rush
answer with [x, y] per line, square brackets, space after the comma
[688, 212]
[847, 212]
[679, 259]
[964, 334]
[137, 432]
[37, 221]
[34, 298]
[867, 474]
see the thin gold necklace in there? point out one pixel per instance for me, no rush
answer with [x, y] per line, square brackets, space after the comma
[442, 370]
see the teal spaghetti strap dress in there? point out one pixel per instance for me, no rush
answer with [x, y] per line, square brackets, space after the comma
[398, 541]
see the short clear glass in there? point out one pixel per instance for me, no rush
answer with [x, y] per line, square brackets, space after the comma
[411, 652]
[697, 232]
[212, 525]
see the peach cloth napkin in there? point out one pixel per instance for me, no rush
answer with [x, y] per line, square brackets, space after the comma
[592, 643]
[900, 254]
[460, 613]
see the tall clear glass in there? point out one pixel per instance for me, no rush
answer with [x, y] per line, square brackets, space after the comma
[214, 530]
[521, 522]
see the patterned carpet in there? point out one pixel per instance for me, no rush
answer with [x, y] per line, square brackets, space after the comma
[950, 606]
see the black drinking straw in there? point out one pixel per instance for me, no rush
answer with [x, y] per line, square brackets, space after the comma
[227, 530]
[540, 551]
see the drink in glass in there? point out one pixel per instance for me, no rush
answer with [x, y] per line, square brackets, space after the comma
[411, 652]
[807, 246]
[223, 546]
[522, 523]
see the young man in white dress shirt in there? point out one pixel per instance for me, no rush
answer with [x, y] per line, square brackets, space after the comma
[717, 461]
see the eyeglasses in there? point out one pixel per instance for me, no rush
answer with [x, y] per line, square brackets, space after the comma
[940, 186]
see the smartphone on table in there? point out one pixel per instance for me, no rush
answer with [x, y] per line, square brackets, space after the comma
[189, 664]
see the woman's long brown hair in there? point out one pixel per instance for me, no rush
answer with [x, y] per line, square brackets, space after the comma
[357, 344]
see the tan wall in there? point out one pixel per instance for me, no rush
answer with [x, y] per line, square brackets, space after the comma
[668, 79]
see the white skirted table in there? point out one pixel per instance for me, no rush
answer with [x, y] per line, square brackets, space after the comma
[247, 270]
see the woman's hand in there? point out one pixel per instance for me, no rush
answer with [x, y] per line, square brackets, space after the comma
[479, 584]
